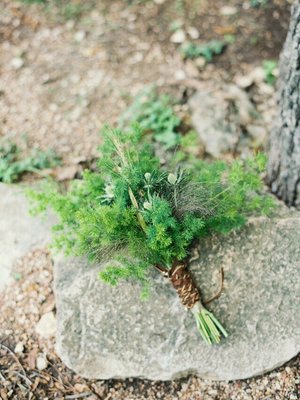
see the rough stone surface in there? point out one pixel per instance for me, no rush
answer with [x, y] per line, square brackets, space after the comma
[19, 232]
[106, 332]
[220, 116]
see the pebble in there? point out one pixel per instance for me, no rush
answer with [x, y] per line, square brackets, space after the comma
[193, 32]
[244, 81]
[41, 362]
[228, 10]
[200, 62]
[79, 36]
[258, 133]
[17, 63]
[178, 36]
[258, 75]
[19, 348]
[46, 327]
[179, 75]
[266, 89]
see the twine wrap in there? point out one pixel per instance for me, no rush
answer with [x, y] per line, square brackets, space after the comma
[183, 283]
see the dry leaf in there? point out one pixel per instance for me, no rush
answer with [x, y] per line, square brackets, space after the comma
[31, 358]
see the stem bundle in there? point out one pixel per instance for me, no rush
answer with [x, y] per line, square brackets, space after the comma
[209, 327]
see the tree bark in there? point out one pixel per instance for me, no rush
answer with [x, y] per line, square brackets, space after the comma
[284, 152]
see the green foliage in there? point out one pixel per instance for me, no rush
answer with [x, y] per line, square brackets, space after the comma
[12, 166]
[72, 10]
[229, 38]
[269, 67]
[155, 115]
[67, 9]
[139, 214]
[258, 3]
[207, 50]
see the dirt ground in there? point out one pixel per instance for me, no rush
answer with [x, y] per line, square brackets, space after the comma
[64, 72]
[61, 79]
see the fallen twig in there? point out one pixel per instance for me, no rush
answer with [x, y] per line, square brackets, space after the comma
[78, 396]
[17, 361]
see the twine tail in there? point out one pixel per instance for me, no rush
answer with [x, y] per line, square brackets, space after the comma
[209, 327]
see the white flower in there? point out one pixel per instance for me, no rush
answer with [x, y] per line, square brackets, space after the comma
[147, 176]
[172, 179]
[147, 205]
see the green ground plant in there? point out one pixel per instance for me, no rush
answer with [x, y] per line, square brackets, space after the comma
[269, 67]
[67, 9]
[13, 165]
[135, 214]
[258, 3]
[207, 50]
[155, 115]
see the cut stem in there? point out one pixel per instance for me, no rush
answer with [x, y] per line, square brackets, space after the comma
[209, 327]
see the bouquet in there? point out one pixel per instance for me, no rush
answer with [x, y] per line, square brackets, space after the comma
[143, 213]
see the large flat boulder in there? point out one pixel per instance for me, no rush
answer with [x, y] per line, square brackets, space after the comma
[19, 232]
[106, 332]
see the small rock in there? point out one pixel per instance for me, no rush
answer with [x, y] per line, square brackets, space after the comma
[266, 89]
[244, 81]
[228, 11]
[17, 63]
[258, 75]
[193, 32]
[200, 62]
[258, 133]
[79, 36]
[178, 37]
[210, 119]
[241, 99]
[179, 75]
[19, 348]
[46, 327]
[41, 362]
[159, 1]
[75, 113]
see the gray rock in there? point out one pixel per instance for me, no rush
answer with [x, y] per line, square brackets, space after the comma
[220, 116]
[19, 232]
[106, 332]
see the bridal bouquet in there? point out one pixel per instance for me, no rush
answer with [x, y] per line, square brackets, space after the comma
[143, 213]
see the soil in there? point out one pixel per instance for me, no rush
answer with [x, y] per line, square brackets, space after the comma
[67, 68]
[77, 74]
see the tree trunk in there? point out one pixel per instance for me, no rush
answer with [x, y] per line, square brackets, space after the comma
[284, 154]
